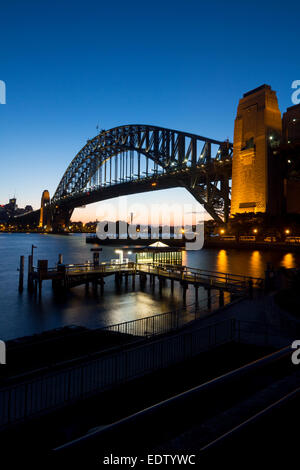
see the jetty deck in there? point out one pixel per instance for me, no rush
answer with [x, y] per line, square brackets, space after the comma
[66, 276]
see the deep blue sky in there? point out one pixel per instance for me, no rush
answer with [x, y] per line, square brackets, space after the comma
[69, 65]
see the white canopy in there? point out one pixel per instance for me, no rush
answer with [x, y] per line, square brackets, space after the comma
[158, 245]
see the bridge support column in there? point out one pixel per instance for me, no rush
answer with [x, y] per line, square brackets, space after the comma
[133, 281]
[172, 286]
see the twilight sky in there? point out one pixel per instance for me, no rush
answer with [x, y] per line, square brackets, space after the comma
[70, 65]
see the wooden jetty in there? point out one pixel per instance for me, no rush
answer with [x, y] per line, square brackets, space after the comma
[66, 276]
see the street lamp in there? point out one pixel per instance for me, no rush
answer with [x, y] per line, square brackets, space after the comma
[287, 231]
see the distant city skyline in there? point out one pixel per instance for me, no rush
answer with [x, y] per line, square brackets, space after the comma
[68, 71]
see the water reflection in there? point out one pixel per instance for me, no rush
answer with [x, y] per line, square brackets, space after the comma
[24, 315]
[222, 261]
[255, 261]
[288, 261]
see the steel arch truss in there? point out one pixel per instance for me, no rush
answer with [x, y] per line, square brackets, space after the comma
[186, 158]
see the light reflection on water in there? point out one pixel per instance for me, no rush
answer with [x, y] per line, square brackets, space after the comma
[22, 315]
[289, 261]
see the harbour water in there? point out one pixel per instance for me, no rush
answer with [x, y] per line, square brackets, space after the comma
[23, 314]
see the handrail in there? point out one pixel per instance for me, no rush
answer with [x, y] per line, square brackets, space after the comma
[233, 432]
[180, 272]
[175, 401]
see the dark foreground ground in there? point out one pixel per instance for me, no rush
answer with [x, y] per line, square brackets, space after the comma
[37, 437]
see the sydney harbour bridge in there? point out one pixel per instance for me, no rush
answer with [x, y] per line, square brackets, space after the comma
[138, 158]
[259, 173]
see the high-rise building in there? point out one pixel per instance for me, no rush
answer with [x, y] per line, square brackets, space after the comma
[291, 151]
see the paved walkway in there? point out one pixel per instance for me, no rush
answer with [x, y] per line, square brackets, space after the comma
[261, 321]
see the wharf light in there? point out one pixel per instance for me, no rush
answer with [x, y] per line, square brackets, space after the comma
[154, 184]
[287, 231]
[255, 230]
[120, 253]
[222, 231]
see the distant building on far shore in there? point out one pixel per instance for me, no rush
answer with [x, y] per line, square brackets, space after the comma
[11, 209]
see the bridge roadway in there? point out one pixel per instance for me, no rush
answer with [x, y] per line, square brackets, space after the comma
[71, 275]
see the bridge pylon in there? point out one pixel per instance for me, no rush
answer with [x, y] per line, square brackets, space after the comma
[45, 213]
[255, 167]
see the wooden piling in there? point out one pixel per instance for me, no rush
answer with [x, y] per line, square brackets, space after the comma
[160, 285]
[21, 273]
[185, 288]
[196, 292]
[30, 286]
[209, 298]
[221, 298]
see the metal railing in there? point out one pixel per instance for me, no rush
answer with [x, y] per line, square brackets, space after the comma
[200, 275]
[162, 323]
[175, 272]
[52, 389]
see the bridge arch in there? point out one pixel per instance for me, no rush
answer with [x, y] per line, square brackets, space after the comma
[200, 164]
